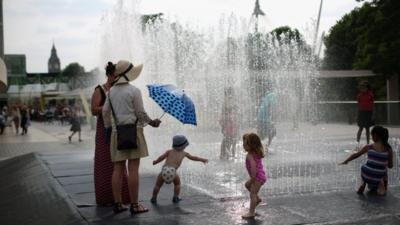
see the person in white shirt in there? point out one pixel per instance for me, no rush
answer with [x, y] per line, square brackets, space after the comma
[127, 104]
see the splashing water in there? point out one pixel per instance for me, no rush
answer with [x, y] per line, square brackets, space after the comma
[207, 63]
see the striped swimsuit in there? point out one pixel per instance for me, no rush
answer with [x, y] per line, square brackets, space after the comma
[375, 169]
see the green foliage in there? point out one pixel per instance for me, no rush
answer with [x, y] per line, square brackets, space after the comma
[150, 18]
[73, 69]
[285, 35]
[366, 38]
[263, 48]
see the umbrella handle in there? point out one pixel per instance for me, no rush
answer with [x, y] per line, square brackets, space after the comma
[171, 104]
[161, 115]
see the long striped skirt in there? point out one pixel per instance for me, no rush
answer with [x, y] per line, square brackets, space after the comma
[103, 169]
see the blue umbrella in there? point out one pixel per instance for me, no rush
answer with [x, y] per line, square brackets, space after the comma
[173, 101]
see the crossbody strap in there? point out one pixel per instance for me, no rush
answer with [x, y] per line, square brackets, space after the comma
[112, 109]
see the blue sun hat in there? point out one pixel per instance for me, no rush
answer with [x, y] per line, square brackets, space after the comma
[179, 142]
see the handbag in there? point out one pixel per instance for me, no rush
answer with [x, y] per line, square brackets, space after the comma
[126, 133]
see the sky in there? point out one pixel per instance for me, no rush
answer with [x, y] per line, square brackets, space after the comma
[74, 26]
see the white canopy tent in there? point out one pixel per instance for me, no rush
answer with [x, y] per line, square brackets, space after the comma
[31, 90]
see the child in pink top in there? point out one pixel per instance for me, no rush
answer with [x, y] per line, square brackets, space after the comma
[255, 152]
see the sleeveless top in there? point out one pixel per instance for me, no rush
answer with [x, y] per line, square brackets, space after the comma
[260, 174]
[103, 94]
[376, 166]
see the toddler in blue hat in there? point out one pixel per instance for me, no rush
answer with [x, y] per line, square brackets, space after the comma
[174, 158]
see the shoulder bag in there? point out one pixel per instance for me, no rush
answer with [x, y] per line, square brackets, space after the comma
[126, 133]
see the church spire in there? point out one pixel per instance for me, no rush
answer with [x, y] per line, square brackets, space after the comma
[54, 62]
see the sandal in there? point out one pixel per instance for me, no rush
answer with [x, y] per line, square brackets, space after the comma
[119, 207]
[137, 208]
[176, 199]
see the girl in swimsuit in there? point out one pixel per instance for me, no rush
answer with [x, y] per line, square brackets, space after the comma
[380, 159]
[255, 152]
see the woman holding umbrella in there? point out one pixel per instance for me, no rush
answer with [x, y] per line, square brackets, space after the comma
[125, 102]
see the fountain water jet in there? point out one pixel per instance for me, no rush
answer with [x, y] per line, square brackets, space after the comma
[204, 64]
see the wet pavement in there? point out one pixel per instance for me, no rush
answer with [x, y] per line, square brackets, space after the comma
[62, 173]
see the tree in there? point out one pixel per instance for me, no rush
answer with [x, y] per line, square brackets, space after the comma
[73, 69]
[366, 38]
[286, 35]
[290, 44]
[379, 47]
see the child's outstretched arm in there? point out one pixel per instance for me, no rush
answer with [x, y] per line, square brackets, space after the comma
[161, 158]
[356, 155]
[196, 158]
[253, 168]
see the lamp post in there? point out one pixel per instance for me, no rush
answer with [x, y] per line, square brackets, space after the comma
[257, 12]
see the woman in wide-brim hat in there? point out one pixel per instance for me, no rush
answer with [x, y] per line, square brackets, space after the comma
[127, 103]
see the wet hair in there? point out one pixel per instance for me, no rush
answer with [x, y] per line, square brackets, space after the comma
[254, 142]
[382, 134]
[110, 68]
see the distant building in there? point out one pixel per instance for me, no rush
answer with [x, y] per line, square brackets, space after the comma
[1, 31]
[54, 65]
[16, 68]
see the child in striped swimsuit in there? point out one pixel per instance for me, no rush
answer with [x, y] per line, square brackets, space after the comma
[255, 152]
[380, 157]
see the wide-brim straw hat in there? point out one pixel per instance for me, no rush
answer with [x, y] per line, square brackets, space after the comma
[126, 71]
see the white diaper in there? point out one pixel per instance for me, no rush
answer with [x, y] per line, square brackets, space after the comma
[168, 173]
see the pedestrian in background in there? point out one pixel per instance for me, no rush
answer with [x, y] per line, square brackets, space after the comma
[265, 118]
[24, 119]
[75, 124]
[365, 104]
[2, 123]
[16, 117]
[229, 125]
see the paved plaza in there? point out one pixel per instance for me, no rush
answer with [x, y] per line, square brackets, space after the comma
[46, 180]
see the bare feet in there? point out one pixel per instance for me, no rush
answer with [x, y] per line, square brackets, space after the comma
[248, 216]
[258, 201]
[361, 189]
[381, 191]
